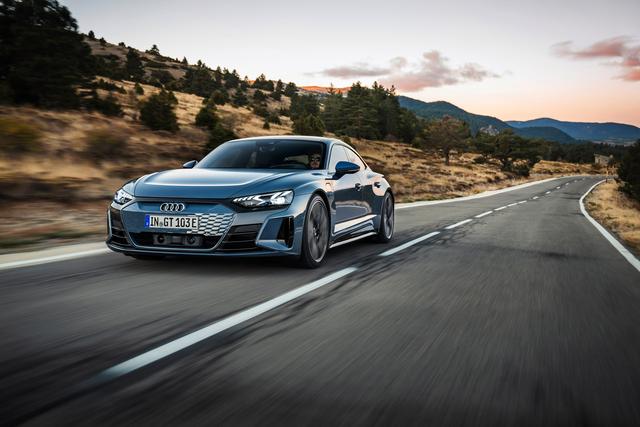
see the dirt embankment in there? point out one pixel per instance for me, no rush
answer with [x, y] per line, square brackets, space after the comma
[617, 212]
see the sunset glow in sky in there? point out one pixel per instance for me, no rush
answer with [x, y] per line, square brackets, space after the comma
[566, 59]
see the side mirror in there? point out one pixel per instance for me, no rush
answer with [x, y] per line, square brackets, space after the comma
[343, 168]
[190, 164]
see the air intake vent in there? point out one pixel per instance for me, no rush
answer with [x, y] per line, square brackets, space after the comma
[241, 238]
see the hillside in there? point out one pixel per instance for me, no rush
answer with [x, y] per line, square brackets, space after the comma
[64, 176]
[439, 109]
[547, 133]
[596, 132]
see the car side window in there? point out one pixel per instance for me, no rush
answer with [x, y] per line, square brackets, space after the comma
[338, 154]
[355, 158]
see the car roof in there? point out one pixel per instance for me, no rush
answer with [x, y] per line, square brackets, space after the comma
[294, 137]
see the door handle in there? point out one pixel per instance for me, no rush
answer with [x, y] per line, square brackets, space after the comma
[358, 186]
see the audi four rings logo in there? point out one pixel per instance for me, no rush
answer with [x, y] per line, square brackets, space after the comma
[172, 207]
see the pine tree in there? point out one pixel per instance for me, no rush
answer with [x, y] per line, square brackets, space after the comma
[449, 134]
[291, 89]
[133, 66]
[158, 112]
[154, 50]
[308, 125]
[91, 35]
[42, 56]
[240, 98]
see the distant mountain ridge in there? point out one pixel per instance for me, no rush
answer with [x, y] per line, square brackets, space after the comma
[597, 132]
[439, 109]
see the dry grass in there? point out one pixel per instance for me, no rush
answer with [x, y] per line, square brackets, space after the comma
[617, 212]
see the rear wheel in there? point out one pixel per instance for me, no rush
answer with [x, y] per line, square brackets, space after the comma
[315, 239]
[387, 220]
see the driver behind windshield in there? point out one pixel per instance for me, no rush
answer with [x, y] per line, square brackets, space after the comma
[314, 161]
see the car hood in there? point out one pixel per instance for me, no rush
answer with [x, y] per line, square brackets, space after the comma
[200, 183]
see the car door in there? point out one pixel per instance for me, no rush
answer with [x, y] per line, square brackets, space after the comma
[346, 190]
[366, 183]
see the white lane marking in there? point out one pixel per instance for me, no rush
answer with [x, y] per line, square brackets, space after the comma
[476, 196]
[511, 204]
[54, 258]
[523, 201]
[536, 197]
[614, 242]
[483, 214]
[188, 340]
[500, 208]
[409, 244]
[558, 187]
[457, 224]
[547, 192]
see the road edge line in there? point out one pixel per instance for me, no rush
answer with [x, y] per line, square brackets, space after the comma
[635, 262]
[53, 258]
[479, 195]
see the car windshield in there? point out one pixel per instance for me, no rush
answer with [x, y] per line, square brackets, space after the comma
[267, 154]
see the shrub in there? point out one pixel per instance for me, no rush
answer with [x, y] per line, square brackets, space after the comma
[103, 84]
[158, 112]
[259, 96]
[274, 118]
[266, 125]
[102, 144]
[239, 98]
[161, 77]
[521, 169]
[480, 159]
[138, 89]
[108, 106]
[284, 112]
[206, 118]
[18, 137]
[260, 110]
[220, 97]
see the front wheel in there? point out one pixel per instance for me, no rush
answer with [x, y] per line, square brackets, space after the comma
[387, 220]
[315, 238]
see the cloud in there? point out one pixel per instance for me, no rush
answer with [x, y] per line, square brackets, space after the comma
[431, 70]
[355, 71]
[620, 49]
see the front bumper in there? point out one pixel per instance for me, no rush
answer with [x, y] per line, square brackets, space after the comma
[224, 230]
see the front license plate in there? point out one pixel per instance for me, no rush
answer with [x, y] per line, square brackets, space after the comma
[174, 222]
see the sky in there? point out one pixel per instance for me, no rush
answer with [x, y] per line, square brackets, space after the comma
[516, 59]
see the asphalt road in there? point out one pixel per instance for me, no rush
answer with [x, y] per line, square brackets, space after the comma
[524, 316]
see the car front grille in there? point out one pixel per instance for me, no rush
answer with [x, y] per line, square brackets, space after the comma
[213, 224]
[241, 238]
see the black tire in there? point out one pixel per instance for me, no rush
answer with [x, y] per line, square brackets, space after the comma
[387, 220]
[315, 237]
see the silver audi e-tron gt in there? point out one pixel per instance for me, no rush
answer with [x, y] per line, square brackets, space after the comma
[265, 196]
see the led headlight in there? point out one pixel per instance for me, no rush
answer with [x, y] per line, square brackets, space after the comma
[268, 200]
[121, 197]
